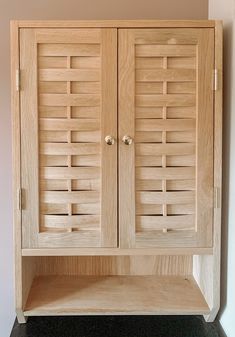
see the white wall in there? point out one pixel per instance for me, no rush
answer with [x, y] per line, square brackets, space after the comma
[225, 10]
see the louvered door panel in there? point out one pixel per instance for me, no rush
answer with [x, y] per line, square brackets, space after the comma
[166, 106]
[68, 171]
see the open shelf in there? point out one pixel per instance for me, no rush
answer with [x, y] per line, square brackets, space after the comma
[87, 295]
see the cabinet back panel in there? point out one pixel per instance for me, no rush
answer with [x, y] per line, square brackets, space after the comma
[114, 265]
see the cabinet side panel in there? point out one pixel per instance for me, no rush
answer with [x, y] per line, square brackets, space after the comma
[29, 137]
[206, 269]
[15, 110]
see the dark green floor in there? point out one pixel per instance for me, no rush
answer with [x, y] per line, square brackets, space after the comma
[117, 326]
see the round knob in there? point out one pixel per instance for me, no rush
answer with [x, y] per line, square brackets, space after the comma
[127, 140]
[109, 140]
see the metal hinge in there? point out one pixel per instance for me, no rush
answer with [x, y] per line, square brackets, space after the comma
[20, 199]
[217, 197]
[17, 79]
[216, 79]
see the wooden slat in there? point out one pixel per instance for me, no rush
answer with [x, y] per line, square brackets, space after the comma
[179, 197]
[74, 49]
[158, 75]
[53, 136]
[70, 172]
[89, 184]
[148, 62]
[52, 111]
[148, 161]
[85, 112]
[78, 62]
[144, 223]
[69, 99]
[165, 173]
[52, 87]
[93, 208]
[58, 160]
[53, 184]
[148, 137]
[50, 62]
[85, 87]
[62, 184]
[149, 88]
[165, 100]
[181, 209]
[46, 208]
[164, 124]
[86, 160]
[170, 160]
[164, 50]
[181, 87]
[76, 136]
[189, 160]
[181, 136]
[183, 184]
[69, 125]
[181, 62]
[53, 160]
[165, 149]
[70, 197]
[86, 136]
[69, 149]
[181, 112]
[69, 75]
[148, 112]
[148, 184]
[148, 209]
[81, 222]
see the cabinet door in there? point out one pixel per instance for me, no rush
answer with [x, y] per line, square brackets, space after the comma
[68, 105]
[166, 107]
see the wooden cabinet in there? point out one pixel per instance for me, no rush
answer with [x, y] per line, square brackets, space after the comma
[117, 166]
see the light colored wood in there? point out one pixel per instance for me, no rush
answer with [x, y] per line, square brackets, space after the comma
[115, 23]
[114, 251]
[109, 127]
[126, 123]
[161, 150]
[69, 295]
[16, 162]
[115, 265]
[206, 269]
[29, 137]
[71, 117]
[163, 119]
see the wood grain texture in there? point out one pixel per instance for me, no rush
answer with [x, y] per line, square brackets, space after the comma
[16, 162]
[69, 295]
[115, 23]
[168, 120]
[206, 269]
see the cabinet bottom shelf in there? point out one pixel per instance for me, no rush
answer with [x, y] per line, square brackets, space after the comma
[110, 295]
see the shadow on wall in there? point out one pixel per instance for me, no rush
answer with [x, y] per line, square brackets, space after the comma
[227, 112]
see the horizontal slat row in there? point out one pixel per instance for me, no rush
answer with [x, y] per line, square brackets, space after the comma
[162, 222]
[178, 197]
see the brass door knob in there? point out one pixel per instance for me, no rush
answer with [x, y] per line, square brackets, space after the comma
[127, 140]
[109, 140]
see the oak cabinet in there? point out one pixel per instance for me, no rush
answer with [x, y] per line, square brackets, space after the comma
[117, 166]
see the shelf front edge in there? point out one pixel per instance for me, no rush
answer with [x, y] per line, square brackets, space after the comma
[114, 251]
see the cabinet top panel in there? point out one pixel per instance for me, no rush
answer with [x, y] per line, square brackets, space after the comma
[114, 23]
